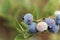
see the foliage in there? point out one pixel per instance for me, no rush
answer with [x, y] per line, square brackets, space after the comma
[12, 8]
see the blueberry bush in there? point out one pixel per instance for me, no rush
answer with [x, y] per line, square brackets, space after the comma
[29, 20]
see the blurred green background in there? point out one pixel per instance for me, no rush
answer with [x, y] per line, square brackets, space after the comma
[12, 11]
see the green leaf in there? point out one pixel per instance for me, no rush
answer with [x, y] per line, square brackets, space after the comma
[19, 30]
[19, 37]
[24, 25]
[19, 25]
[22, 36]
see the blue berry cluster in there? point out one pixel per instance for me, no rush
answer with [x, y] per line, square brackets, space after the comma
[53, 25]
[28, 19]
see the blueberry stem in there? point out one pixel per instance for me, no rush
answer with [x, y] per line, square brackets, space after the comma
[39, 20]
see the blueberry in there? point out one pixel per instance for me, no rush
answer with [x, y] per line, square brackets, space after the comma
[50, 22]
[28, 18]
[32, 28]
[42, 26]
[57, 20]
[54, 29]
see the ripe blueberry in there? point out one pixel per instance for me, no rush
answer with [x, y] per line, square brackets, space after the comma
[54, 29]
[50, 22]
[42, 26]
[32, 28]
[28, 18]
[57, 20]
